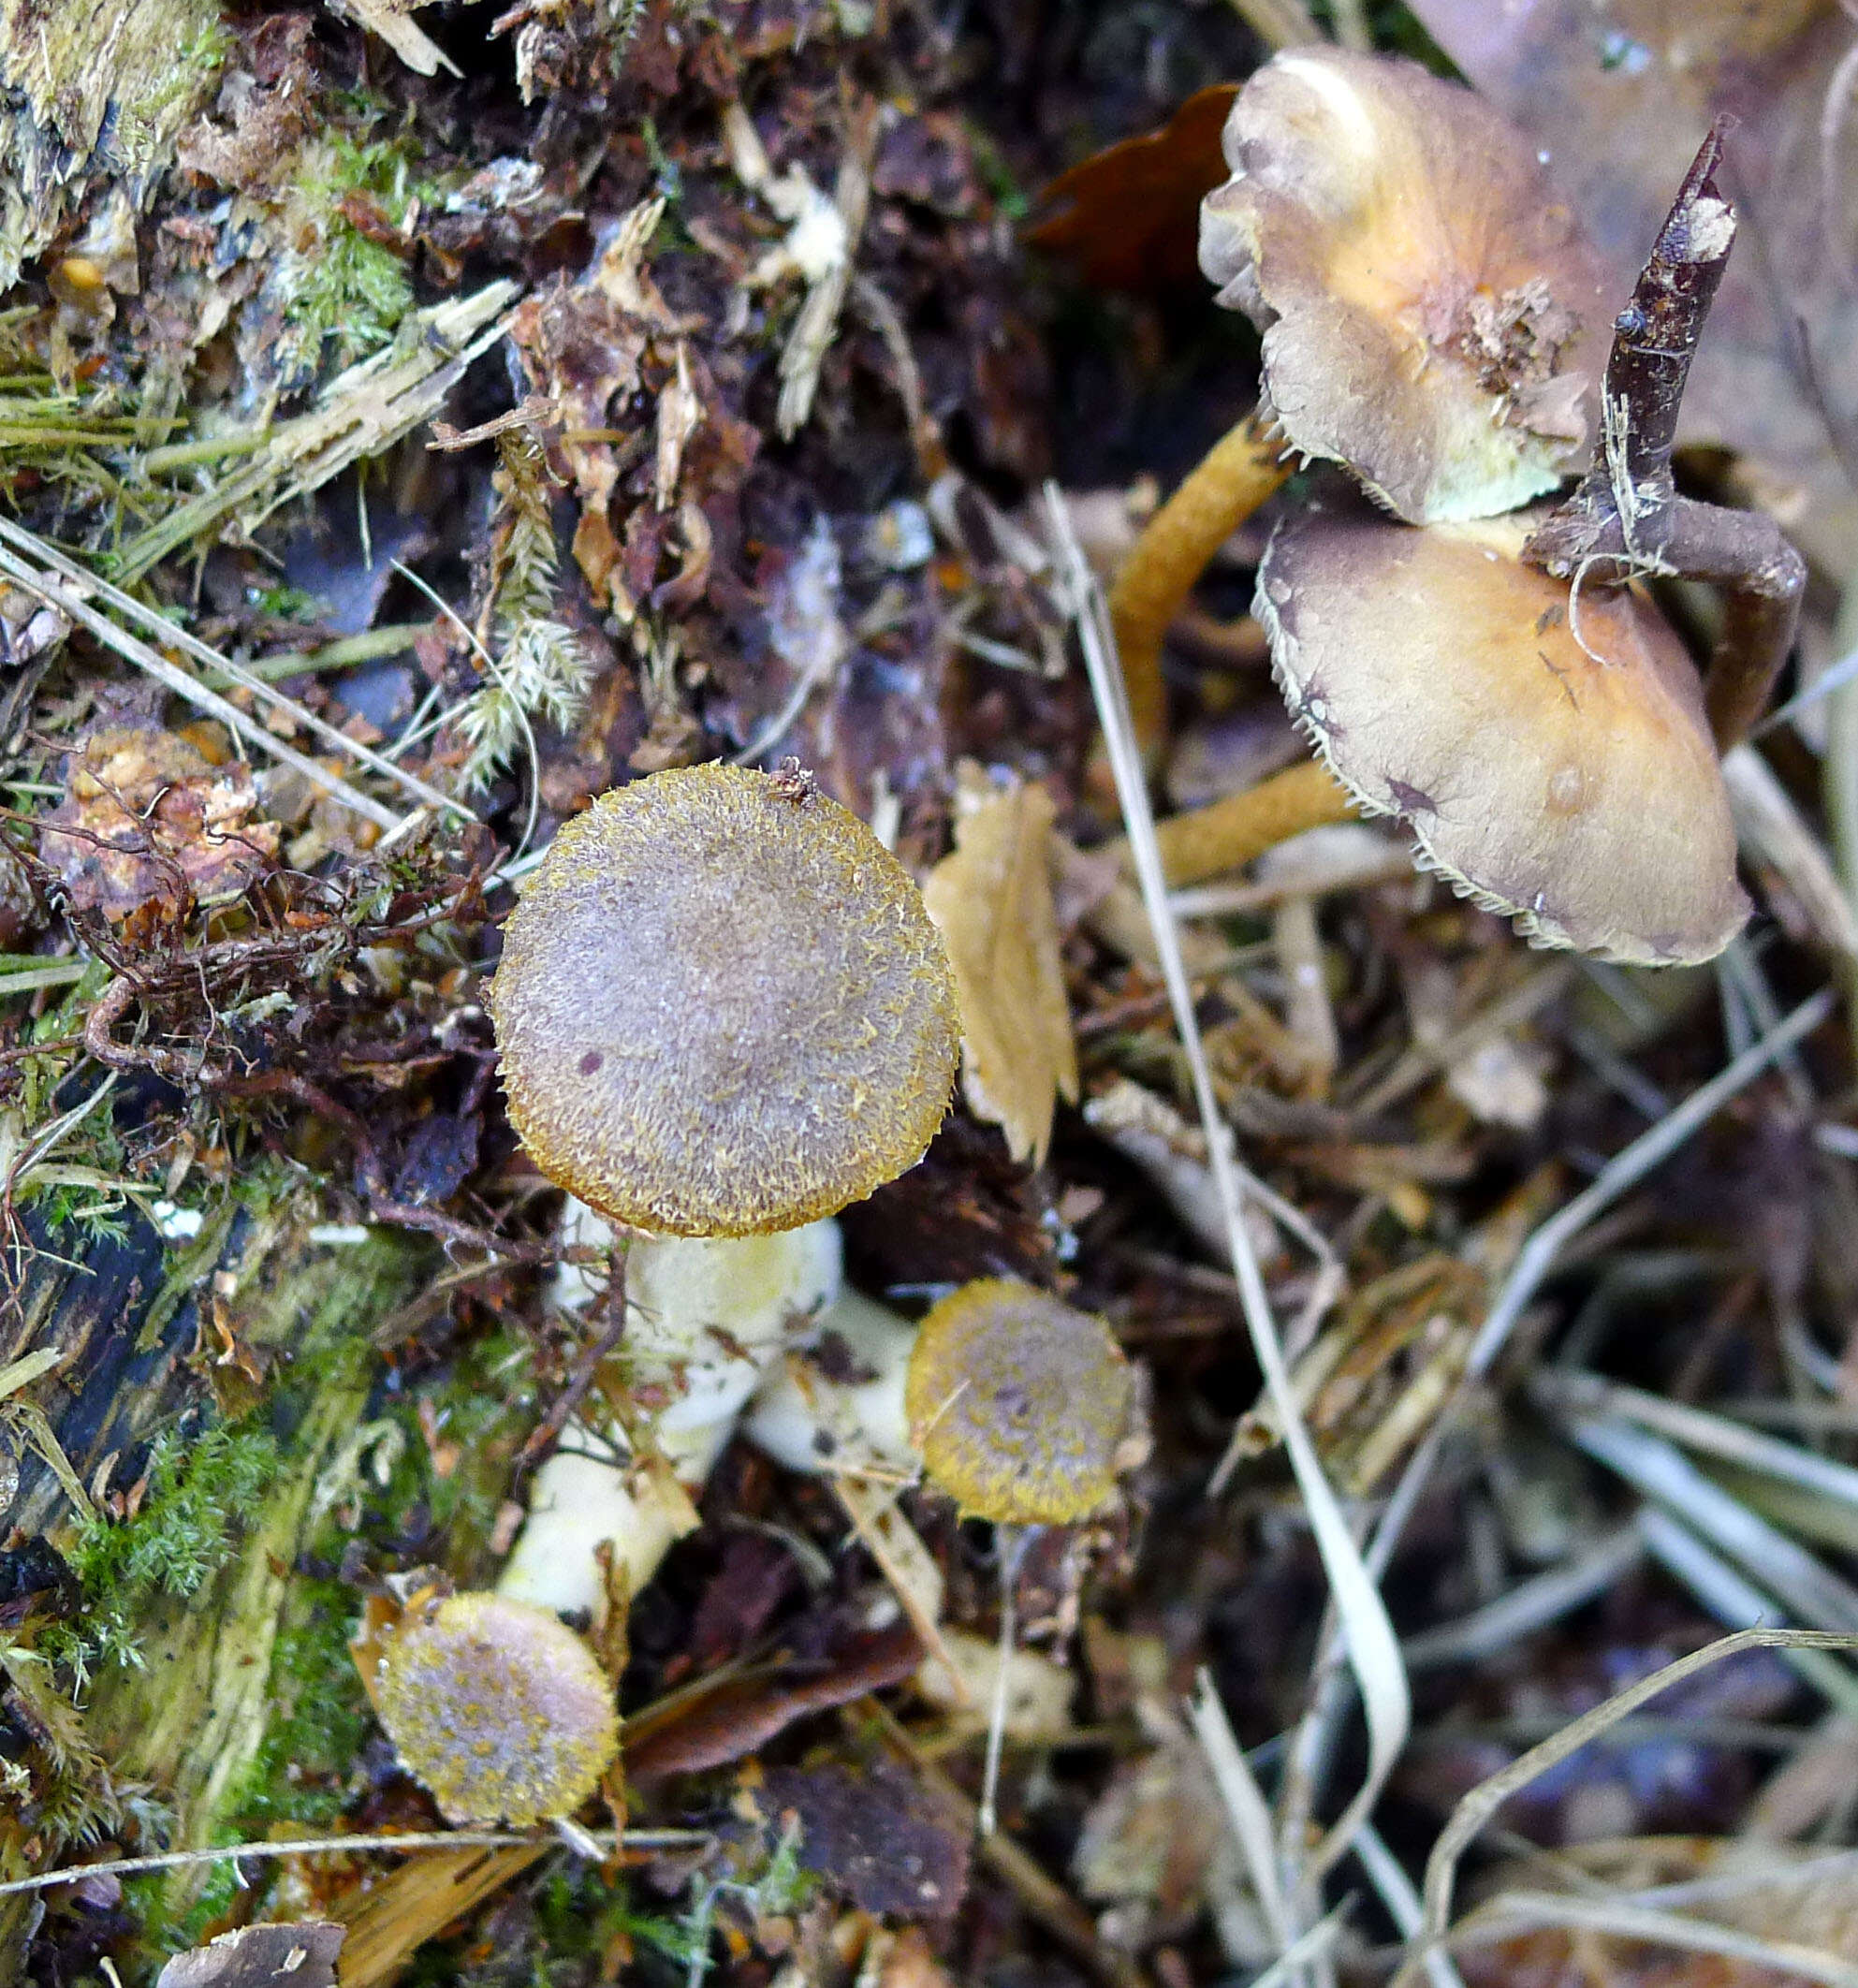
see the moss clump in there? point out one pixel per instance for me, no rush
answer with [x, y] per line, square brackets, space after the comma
[184, 1531]
[723, 1008]
[1019, 1404]
[498, 1707]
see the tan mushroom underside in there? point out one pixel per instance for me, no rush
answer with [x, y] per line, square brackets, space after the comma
[1432, 318]
[1573, 788]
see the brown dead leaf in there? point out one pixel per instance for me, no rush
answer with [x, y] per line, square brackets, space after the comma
[147, 819]
[1622, 96]
[260, 1957]
[1128, 218]
[723, 1719]
[870, 1834]
[992, 899]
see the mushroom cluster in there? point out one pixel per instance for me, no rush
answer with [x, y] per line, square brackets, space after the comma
[1495, 679]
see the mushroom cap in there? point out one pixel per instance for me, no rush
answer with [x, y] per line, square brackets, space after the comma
[1019, 1404]
[1559, 769]
[721, 1007]
[1432, 317]
[498, 1707]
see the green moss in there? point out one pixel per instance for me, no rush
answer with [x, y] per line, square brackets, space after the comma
[186, 1530]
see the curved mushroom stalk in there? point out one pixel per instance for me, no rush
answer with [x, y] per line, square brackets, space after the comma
[1228, 484]
[1626, 518]
[1564, 777]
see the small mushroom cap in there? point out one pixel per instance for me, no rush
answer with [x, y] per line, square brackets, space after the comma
[1019, 1404]
[721, 1007]
[497, 1707]
[1565, 778]
[1432, 318]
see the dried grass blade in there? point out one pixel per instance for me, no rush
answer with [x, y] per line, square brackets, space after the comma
[1367, 1634]
[1583, 1393]
[1771, 1558]
[1736, 1603]
[163, 630]
[132, 648]
[1388, 1876]
[1245, 1808]
[1511, 1912]
[1538, 1256]
[1468, 1818]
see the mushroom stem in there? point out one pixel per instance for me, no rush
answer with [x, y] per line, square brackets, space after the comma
[1225, 834]
[1626, 517]
[1221, 492]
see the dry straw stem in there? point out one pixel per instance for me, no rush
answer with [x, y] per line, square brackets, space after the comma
[1575, 1391]
[1484, 1801]
[1537, 1258]
[1221, 492]
[435, 1839]
[1367, 1634]
[133, 649]
[66, 586]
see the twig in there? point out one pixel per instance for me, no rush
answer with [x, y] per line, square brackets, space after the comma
[435, 1839]
[1626, 517]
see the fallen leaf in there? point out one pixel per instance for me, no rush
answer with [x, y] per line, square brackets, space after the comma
[872, 1835]
[1128, 218]
[992, 899]
[260, 1957]
[146, 818]
[721, 1720]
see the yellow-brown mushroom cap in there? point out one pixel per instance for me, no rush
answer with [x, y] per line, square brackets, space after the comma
[1557, 768]
[1432, 318]
[498, 1707]
[721, 1007]
[1019, 1404]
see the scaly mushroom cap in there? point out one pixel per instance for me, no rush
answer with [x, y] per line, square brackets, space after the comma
[1019, 1404]
[721, 1007]
[497, 1707]
[1432, 319]
[1566, 778]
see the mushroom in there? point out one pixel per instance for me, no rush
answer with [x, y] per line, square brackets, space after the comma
[496, 1706]
[1430, 307]
[1578, 788]
[1429, 311]
[721, 1007]
[1023, 1409]
[705, 1321]
[1555, 763]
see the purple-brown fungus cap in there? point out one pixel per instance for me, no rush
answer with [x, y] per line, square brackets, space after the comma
[1551, 757]
[498, 1707]
[1432, 318]
[1020, 1406]
[721, 1007]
